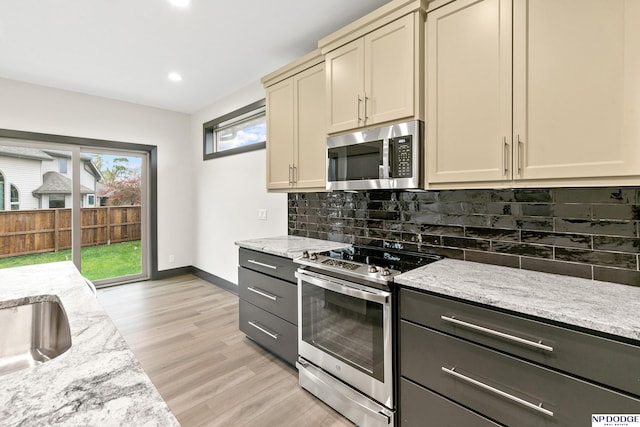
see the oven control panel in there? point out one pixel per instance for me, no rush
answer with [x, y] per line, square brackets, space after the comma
[359, 271]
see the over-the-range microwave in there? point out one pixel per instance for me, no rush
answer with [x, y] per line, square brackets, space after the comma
[387, 157]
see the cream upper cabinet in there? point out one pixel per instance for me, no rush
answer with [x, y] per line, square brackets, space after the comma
[371, 80]
[309, 124]
[469, 92]
[571, 117]
[296, 136]
[345, 86]
[576, 78]
[280, 133]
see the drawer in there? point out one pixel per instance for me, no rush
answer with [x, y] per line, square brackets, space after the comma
[422, 408]
[508, 390]
[273, 265]
[276, 335]
[273, 295]
[602, 360]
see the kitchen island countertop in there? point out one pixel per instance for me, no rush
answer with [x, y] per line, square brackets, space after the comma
[600, 306]
[96, 382]
[289, 246]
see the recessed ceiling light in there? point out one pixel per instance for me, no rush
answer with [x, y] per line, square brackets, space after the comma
[175, 77]
[180, 3]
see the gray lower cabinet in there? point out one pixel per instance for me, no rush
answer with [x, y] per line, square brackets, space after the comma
[268, 312]
[487, 369]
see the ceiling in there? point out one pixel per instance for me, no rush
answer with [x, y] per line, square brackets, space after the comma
[125, 49]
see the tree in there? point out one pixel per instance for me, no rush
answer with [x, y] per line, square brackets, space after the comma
[124, 184]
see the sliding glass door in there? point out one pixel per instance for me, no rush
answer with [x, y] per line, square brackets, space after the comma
[114, 217]
[71, 203]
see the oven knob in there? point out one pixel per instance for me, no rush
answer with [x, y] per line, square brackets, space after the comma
[385, 272]
[305, 254]
[372, 268]
[313, 256]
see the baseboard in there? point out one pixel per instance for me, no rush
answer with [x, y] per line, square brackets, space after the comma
[211, 278]
[215, 280]
[174, 272]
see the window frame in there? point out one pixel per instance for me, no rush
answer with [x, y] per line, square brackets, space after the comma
[63, 165]
[56, 198]
[210, 127]
[14, 205]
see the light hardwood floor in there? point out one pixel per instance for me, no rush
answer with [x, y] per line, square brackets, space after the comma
[184, 331]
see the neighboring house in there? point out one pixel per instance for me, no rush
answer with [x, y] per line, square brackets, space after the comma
[32, 178]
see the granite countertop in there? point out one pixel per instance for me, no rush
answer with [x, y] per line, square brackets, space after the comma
[601, 306]
[289, 246]
[97, 382]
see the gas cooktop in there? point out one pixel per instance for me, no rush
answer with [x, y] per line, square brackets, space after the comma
[365, 263]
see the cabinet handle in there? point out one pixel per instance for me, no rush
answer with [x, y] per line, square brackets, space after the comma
[359, 102]
[499, 392]
[519, 153]
[263, 330]
[295, 174]
[262, 293]
[261, 264]
[505, 156]
[290, 179]
[366, 99]
[509, 337]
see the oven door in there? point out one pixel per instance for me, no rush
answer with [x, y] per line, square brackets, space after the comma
[345, 329]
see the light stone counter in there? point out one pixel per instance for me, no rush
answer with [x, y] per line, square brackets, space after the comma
[600, 306]
[97, 382]
[289, 246]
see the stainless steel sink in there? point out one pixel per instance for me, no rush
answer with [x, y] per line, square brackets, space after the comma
[32, 334]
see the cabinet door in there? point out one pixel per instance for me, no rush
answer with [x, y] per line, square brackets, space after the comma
[345, 85]
[389, 72]
[310, 131]
[576, 88]
[279, 134]
[469, 92]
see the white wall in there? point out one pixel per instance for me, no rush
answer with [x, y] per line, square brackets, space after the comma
[228, 193]
[25, 175]
[33, 108]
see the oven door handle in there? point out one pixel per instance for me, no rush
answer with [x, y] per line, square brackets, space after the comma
[380, 297]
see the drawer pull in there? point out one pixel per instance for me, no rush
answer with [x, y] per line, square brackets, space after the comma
[262, 293]
[519, 340]
[501, 393]
[263, 330]
[261, 264]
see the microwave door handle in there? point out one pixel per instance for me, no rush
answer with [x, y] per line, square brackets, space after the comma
[384, 167]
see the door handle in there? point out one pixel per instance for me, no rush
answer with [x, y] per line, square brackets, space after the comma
[359, 102]
[366, 100]
[519, 153]
[505, 156]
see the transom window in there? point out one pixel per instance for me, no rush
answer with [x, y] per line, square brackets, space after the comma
[237, 132]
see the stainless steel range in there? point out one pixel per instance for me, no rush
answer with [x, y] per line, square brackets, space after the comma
[345, 329]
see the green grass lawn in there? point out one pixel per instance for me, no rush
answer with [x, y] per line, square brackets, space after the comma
[98, 262]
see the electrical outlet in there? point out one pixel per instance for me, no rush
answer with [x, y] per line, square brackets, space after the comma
[262, 214]
[172, 258]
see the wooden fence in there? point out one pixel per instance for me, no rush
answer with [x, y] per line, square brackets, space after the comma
[49, 230]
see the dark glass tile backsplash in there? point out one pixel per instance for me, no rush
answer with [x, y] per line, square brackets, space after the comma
[584, 232]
